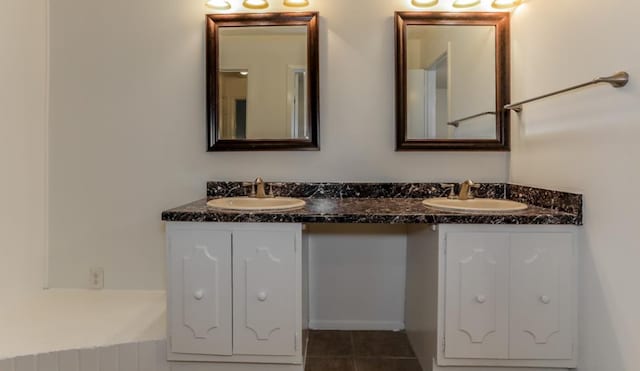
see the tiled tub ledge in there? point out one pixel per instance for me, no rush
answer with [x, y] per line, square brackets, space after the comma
[86, 330]
[384, 203]
[67, 324]
[140, 356]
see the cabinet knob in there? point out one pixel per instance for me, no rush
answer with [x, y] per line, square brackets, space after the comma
[481, 299]
[262, 296]
[199, 295]
[545, 299]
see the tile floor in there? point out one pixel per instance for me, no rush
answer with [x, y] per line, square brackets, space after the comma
[360, 351]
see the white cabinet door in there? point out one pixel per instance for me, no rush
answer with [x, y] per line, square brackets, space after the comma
[200, 291]
[477, 289]
[541, 324]
[264, 285]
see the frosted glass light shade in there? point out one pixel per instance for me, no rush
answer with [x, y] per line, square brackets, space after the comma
[219, 4]
[505, 4]
[296, 3]
[255, 4]
[424, 3]
[465, 3]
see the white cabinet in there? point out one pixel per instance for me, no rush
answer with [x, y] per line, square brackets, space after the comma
[264, 293]
[541, 297]
[506, 296]
[477, 303]
[200, 291]
[234, 292]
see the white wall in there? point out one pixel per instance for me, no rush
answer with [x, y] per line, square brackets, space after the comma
[357, 277]
[22, 143]
[587, 141]
[128, 127]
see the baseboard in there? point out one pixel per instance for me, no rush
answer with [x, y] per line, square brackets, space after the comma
[493, 368]
[356, 325]
[233, 367]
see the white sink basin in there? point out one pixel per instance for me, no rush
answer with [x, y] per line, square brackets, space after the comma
[476, 204]
[256, 204]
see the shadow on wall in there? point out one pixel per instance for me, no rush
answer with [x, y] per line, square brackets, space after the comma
[593, 303]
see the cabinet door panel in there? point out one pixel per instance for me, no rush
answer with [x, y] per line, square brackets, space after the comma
[476, 305]
[264, 286]
[200, 292]
[541, 279]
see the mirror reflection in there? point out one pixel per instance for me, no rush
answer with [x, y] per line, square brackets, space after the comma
[451, 82]
[262, 82]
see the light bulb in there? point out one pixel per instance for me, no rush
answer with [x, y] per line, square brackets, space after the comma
[219, 4]
[424, 3]
[296, 3]
[465, 3]
[256, 4]
[505, 4]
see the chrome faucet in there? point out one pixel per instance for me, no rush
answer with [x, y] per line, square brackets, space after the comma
[466, 190]
[259, 188]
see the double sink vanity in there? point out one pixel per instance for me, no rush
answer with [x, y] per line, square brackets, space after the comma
[486, 286]
[491, 268]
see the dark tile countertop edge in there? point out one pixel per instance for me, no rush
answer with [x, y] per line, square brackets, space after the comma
[385, 203]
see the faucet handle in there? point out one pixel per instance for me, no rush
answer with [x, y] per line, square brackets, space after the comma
[452, 190]
[471, 188]
[252, 193]
[271, 194]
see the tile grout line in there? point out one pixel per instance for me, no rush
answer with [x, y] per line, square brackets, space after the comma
[353, 352]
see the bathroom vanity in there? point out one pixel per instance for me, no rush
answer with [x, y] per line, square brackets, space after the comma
[482, 289]
[235, 292]
[506, 295]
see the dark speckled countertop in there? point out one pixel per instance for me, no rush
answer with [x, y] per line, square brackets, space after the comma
[384, 203]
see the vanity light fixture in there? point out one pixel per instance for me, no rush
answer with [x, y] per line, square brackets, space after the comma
[244, 73]
[255, 4]
[424, 3]
[505, 4]
[296, 3]
[219, 4]
[465, 3]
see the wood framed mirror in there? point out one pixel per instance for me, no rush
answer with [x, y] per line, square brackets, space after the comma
[262, 81]
[452, 81]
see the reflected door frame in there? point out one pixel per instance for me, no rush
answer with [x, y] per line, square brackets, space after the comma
[293, 100]
[426, 90]
[228, 105]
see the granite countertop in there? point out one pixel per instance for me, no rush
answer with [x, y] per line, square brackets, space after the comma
[385, 203]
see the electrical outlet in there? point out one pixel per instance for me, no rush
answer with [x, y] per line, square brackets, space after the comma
[96, 278]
